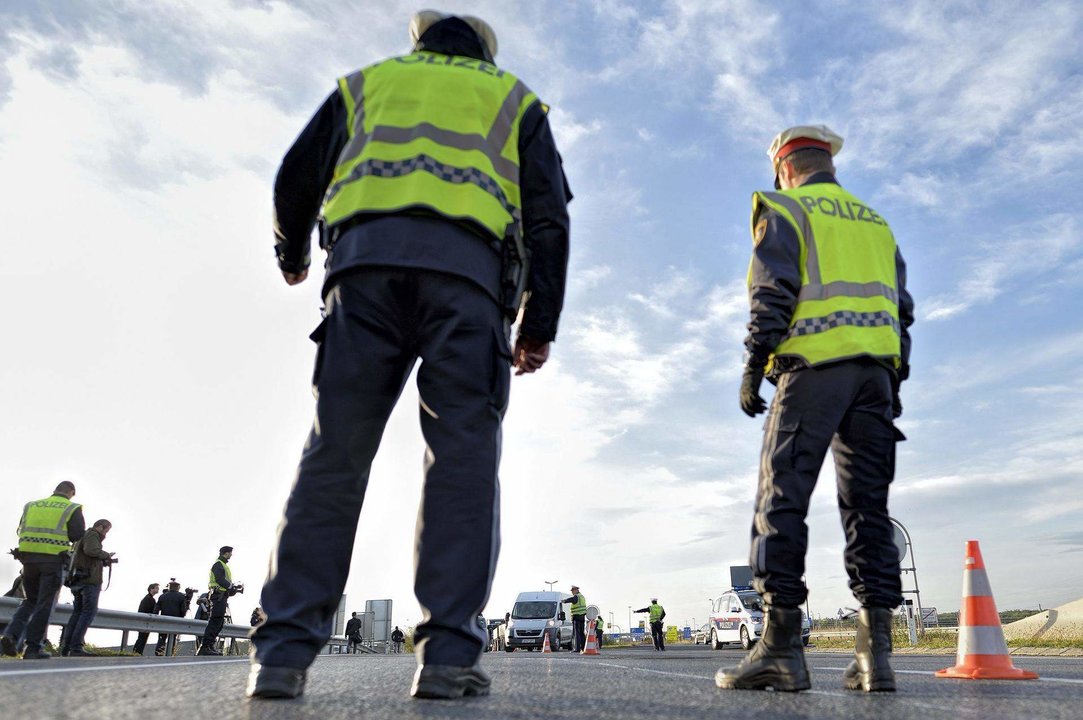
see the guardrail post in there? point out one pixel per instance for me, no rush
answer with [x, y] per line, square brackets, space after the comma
[123, 640]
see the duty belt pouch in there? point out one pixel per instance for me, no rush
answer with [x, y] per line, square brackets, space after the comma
[515, 270]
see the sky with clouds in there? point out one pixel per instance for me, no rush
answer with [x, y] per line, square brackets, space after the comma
[154, 356]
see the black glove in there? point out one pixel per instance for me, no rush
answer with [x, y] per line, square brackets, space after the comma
[751, 402]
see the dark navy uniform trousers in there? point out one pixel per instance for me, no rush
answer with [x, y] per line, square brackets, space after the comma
[379, 322]
[844, 406]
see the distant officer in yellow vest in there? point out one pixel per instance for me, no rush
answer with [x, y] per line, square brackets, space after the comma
[222, 588]
[434, 176]
[830, 313]
[47, 529]
[578, 601]
[657, 614]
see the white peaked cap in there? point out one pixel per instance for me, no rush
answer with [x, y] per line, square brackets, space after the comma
[425, 19]
[804, 136]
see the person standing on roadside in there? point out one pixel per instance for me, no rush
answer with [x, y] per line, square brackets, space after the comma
[830, 318]
[148, 605]
[436, 177]
[85, 582]
[172, 603]
[222, 589]
[353, 633]
[46, 531]
[578, 601]
[657, 614]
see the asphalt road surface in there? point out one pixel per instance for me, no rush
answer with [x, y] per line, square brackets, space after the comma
[623, 684]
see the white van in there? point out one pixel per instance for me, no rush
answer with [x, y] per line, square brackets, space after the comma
[535, 614]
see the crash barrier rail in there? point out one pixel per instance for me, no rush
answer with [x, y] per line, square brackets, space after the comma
[128, 622]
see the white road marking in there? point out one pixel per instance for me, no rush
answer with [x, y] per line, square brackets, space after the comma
[930, 672]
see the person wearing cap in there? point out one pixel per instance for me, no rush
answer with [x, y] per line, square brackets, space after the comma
[829, 327]
[434, 175]
[47, 529]
[578, 601]
[222, 588]
[658, 632]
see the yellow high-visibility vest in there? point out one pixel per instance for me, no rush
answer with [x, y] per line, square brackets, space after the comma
[213, 584]
[43, 527]
[579, 606]
[431, 132]
[848, 304]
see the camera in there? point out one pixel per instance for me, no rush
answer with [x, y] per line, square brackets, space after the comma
[238, 588]
[190, 591]
[110, 561]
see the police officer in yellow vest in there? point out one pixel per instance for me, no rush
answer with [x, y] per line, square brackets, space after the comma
[222, 588]
[657, 614]
[830, 313]
[434, 174]
[578, 601]
[47, 529]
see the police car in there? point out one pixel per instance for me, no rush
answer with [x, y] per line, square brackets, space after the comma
[737, 617]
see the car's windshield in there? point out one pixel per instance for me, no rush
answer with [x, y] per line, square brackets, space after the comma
[536, 610]
[751, 600]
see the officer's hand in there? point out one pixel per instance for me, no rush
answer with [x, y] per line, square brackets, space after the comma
[529, 355]
[295, 278]
[751, 402]
[896, 403]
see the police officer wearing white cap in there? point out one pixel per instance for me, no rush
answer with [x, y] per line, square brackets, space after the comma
[435, 176]
[830, 314]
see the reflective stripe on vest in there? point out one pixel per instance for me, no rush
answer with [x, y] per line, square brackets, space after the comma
[43, 527]
[656, 612]
[848, 304]
[579, 607]
[431, 131]
[213, 585]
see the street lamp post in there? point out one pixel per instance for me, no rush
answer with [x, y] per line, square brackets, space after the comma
[550, 583]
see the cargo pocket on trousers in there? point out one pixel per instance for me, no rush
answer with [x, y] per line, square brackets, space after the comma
[318, 336]
[784, 433]
[501, 371]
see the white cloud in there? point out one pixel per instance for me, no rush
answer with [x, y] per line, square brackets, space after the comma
[1037, 250]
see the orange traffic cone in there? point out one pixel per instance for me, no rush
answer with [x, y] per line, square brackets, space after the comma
[545, 645]
[983, 654]
[592, 642]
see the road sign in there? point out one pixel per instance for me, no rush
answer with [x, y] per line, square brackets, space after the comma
[900, 541]
[929, 618]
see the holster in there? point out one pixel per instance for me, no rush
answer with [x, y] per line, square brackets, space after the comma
[515, 272]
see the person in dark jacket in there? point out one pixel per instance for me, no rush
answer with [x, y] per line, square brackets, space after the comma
[829, 326]
[86, 586]
[46, 530]
[172, 603]
[436, 167]
[398, 639]
[353, 633]
[148, 605]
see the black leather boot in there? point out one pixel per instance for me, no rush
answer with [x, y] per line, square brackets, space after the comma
[871, 670]
[777, 661]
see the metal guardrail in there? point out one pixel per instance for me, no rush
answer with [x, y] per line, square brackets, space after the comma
[141, 622]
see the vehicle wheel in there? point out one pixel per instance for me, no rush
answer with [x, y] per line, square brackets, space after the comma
[715, 645]
[509, 648]
[805, 640]
[530, 649]
[746, 641]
